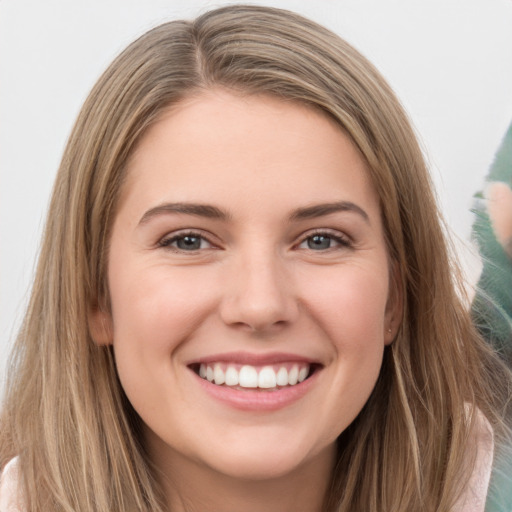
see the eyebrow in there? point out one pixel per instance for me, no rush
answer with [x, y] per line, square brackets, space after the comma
[319, 210]
[213, 212]
[200, 210]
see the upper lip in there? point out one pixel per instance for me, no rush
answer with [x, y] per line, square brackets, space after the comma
[253, 359]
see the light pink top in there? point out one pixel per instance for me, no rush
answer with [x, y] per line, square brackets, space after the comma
[473, 500]
[9, 499]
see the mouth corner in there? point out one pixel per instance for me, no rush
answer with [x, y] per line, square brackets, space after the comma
[194, 367]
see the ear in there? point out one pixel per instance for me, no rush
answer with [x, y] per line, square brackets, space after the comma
[100, 326]
[394, 306]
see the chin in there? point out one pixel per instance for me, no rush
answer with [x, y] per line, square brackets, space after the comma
[266, 459]
[260, 468]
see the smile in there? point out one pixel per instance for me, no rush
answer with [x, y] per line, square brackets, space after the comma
[248, 376]
[258, 383]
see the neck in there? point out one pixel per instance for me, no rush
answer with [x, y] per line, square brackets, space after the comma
[189, 486]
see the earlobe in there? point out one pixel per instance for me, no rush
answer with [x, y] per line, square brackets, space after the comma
[389, 335]
[394, 306]
[100, 326]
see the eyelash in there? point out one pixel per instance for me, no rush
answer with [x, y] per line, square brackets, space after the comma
[342, 240]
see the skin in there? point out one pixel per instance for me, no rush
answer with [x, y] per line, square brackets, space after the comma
[499, 196]
[255, 284]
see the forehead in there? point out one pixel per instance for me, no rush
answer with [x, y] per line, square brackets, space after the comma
[218, 144]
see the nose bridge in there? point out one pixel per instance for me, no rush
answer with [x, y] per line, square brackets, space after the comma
[261, 293]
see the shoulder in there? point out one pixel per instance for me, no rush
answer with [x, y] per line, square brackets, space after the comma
[474, 496]
[9, 487]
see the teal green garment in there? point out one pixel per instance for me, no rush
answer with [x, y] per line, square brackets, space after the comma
[492, 309]
[499, 497]
[492, 306]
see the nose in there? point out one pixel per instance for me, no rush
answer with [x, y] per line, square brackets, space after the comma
[260, 294]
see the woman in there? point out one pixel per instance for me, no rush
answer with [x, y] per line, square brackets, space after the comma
[244, 299]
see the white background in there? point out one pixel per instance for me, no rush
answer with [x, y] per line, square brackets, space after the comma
[450, 62]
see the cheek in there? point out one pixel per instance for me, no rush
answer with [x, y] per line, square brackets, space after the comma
[350, 309]
[350, 305]
[156, 309]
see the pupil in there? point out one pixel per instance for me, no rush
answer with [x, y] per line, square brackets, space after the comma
[189, 243]
[319, 242]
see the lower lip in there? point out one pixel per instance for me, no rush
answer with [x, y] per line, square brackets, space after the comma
[257, 399]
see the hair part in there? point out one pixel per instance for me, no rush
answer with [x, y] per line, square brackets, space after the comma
[66, 415]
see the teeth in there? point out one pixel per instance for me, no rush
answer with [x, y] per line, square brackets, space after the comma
[267, 378]
[293, 375]
[282, 377]
[218, 375]
[303, 373]
[231, 376]
[247, 376]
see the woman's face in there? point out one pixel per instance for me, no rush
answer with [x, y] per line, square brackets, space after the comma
[250, 285]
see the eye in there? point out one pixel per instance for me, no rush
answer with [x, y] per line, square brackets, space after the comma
[324, 241]
[186, 242]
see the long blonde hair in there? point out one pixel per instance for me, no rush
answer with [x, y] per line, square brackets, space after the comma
[65, 414]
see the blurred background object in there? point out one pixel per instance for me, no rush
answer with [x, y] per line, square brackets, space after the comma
[492, 304]
[492, 230]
